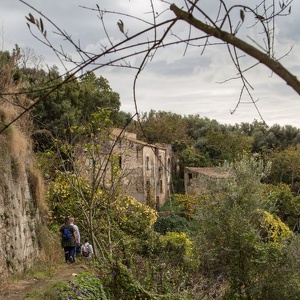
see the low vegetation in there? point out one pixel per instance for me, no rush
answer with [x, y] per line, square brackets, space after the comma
[230, 245]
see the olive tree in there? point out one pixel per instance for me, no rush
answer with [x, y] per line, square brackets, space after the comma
[241, 243]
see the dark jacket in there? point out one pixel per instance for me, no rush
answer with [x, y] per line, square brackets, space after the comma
[67, 242]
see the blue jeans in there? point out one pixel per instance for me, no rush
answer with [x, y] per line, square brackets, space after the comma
[70, 253]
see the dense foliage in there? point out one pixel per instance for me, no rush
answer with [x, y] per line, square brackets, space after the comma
[73, 103]
[231, 245]
[240, 240]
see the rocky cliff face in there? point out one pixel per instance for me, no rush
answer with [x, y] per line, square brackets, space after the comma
[20, 192]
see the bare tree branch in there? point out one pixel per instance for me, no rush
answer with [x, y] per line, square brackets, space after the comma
[155, 35]
[231, 39]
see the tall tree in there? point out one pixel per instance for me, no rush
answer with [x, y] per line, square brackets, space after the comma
[162, 127]
[95, 92]
[72, 103]
[286, 168]
[88, 182]
[225, 146]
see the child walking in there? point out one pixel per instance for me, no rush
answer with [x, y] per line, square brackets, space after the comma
[87, 250]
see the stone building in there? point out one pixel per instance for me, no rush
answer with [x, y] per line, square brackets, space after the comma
[197, 181]
[147, 168]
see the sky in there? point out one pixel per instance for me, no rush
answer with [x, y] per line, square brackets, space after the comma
[185, 80]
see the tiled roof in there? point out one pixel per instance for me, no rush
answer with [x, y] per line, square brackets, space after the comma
[132, 137]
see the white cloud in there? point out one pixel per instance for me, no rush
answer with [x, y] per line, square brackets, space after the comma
[172, 81]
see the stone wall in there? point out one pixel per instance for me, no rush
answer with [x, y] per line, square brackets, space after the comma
[146, 168]
[20, 189]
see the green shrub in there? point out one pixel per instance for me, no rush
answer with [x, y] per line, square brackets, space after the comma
[173, 223]
[178, 244]
[85, 286]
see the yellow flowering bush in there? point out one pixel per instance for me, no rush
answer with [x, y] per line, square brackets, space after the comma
[59, 189]
[274, 229]
[187, 203]
[134, 217]
[70, 194]
[178, 243]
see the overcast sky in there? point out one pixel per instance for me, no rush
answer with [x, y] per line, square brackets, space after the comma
[191, 82]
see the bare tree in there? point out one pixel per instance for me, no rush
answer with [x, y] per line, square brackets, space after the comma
[89, 180]
[245, 30]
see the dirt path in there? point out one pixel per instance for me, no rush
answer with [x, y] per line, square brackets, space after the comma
[18, 290]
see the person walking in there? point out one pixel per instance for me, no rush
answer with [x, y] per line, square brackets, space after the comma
[68, 238]
[77, 249]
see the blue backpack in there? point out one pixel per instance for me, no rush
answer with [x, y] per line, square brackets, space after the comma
[66, 233]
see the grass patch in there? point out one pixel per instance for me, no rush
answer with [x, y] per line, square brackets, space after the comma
[85, 286]
[47, 292]
[41, 271]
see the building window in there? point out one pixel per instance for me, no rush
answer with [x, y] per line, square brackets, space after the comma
[160, 165]
[120, 162]
[161, 186]
[147, 163]
[138, 149]
[190, 176]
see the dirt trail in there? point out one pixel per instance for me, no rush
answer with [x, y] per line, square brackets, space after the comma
[18, 290]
